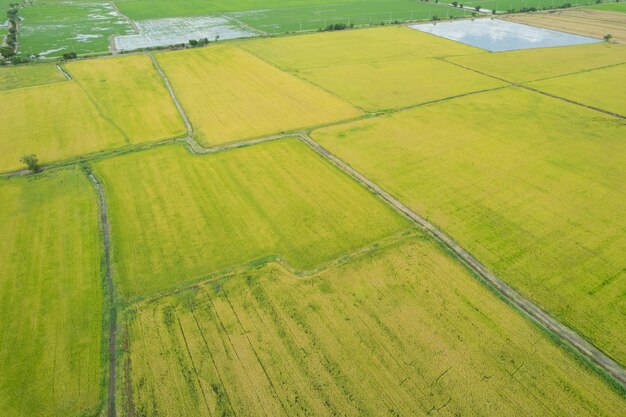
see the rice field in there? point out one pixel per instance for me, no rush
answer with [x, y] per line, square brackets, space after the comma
[51, 29]
[538, 202]
[583, 21]
[595, 88]
[26, 76]
[609, 7]
[130, 94]
[50, 297]
[536, 64]
[55, 121]
[362, 46]
[111, 103]
[178, 218]
[231, 95]
[397, 84]
[405, 331]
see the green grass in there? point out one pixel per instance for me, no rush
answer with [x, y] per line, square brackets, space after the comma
[530, 185]
[404, 331]
[177, 218]
[26, 76]
[504, 5]
[52, 29]
[609, 7]
[50, 296]
[285, 16]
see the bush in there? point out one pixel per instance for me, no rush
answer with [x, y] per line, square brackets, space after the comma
[7, 51]
[336, 26]
[32, 162]
[69, 55]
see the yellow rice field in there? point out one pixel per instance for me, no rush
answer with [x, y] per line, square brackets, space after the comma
[599, 88]
[363, 46]
[536, 64]
[230, 95]
[178, 218]
[130, 94]
[397, 84]
[50, 297]
[26, 76]
[530, 185]
[405, 331]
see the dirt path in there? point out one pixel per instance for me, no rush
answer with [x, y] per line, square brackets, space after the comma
[62, 71]
[180, 109]
[111, 411]
[527, 87]
[515, 298]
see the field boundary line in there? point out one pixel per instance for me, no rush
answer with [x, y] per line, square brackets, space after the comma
[170, 89]
[517, 299]
[526, 87]
[64, 72]
[106, 243]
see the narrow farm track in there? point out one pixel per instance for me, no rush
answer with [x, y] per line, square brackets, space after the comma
[526, 87]
[168, 85]
[111, 412]
[65, 73]
[531, 309]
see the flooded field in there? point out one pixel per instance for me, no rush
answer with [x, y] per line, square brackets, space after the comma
[176, 30]
[498, 35]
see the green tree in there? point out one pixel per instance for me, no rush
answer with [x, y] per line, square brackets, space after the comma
[32, 162]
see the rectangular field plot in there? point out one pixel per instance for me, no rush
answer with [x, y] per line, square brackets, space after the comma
[26, 76]
[363, 46]
[586, 22]
[599, 88]
[52, 29]
[397, 84]
[230, 94]
[405, 331]
[130, 94]
[54, 121]
[363, 12]
[530, 185]
[177, 218]
[50, 297]
[536, 64]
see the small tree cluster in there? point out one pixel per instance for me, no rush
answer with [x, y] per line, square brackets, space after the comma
[200, 42]
[69, 55]
[32, 162]
[338, 26]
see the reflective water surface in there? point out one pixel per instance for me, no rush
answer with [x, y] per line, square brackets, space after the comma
[500, 35]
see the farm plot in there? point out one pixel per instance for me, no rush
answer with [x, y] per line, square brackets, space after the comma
[536, 64]
[286, 16]
[178, 218]
[52, 29]
[365, 12]
[599, 88]
[50, 297]
[609, 7]
[515, 5]
[405, 331]
[26, 76]
[397, 84]
[54, 121]
[177, 30]
[586, 22]
[230, 94]
[531, 186]
[130, 94]
[363, 46]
